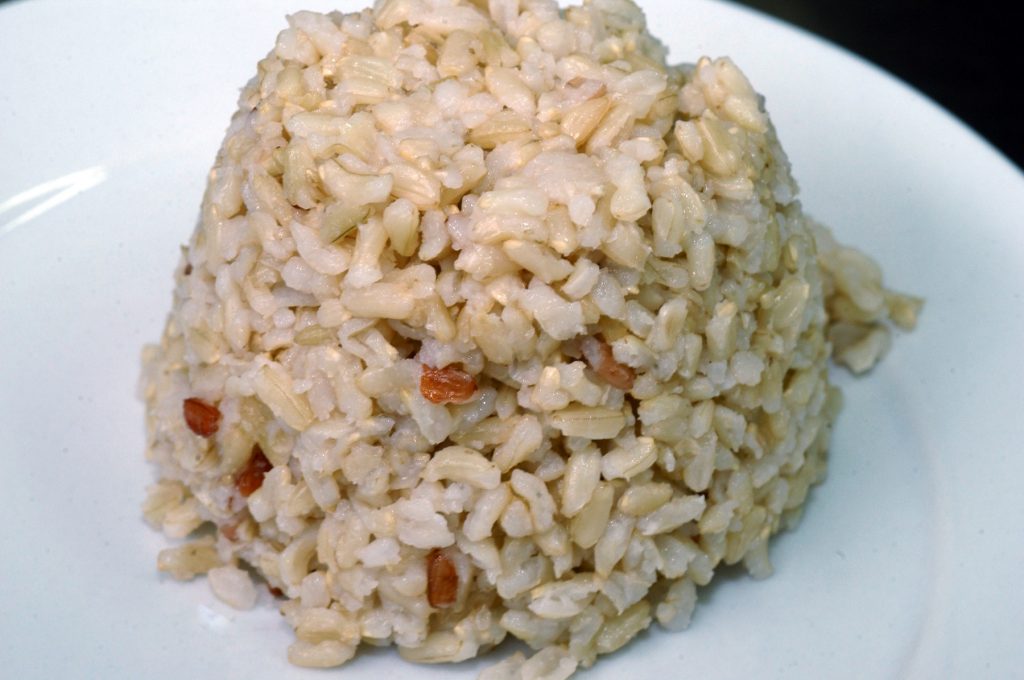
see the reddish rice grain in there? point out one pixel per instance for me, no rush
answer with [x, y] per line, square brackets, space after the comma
[250, 479]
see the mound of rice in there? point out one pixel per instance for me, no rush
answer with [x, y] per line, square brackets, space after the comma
[493, 324]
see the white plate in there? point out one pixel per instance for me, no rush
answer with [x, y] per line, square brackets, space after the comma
[907, 563]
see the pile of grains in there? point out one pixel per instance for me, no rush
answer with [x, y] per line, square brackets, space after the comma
[493, 324]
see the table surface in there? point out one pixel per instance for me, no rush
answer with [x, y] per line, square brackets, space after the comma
[961, 59]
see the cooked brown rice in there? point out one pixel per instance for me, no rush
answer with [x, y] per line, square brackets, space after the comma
[496, 324]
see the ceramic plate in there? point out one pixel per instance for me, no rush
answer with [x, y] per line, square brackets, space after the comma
[907, 562]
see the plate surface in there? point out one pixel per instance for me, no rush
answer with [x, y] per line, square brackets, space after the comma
[906, 563]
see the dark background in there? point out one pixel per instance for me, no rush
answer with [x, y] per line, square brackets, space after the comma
[967, 56]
